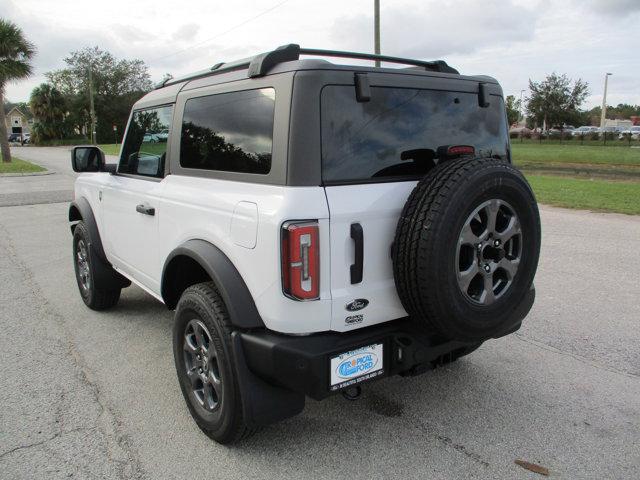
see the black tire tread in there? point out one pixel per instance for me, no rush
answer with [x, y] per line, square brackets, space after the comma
[100, 298]
[422, 211]
[209, 294]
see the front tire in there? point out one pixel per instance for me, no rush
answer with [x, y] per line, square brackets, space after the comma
[88, 275]
[205, 364]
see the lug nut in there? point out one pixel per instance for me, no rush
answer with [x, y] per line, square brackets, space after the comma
[496, 243]
[487, 268]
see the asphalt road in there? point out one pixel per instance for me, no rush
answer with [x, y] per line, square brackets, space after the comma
[94, 395]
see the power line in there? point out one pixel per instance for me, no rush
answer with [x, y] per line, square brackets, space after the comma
[264, 12]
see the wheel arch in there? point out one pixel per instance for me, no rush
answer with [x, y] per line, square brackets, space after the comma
[197, 261]
[80, 210]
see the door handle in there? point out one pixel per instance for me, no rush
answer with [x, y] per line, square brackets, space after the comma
[358, 238]
[145, 210]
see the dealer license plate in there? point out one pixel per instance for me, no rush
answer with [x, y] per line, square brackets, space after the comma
[356, 366]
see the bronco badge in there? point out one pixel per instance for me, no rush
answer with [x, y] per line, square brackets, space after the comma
[357, 304]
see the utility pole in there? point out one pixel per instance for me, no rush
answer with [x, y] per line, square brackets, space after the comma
[520, 105]
[92, 111]
[376, 29]
[603, 115]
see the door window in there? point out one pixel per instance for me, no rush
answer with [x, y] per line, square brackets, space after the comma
[145, 147]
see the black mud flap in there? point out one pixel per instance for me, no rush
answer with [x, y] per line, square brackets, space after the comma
[262, 403]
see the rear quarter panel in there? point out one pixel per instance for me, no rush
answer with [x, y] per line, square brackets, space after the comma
[202, 208]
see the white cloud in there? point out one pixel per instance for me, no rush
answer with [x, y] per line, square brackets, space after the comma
[437, 28]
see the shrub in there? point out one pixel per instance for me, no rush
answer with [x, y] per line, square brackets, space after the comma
[63, 142]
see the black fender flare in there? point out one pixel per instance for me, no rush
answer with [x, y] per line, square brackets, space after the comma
[234, 291]
[82, 208]
[105, 275]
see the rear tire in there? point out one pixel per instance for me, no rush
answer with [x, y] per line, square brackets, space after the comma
[90, 272]
[205, 364]
[466, 248]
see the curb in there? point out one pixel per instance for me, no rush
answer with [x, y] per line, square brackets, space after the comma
[28, 174]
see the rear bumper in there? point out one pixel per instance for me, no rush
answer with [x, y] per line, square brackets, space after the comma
[301, 364]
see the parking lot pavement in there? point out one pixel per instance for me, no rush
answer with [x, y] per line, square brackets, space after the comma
[95, 394]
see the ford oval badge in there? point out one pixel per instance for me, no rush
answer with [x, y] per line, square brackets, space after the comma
[357, 304]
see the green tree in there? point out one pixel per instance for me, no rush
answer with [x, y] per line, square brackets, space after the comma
[556, 99]
[48, 106]
[513, 109]
[117, 84]
[16, 53]
[22, 106]
[623, 111]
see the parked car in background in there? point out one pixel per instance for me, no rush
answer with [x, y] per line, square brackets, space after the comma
[520, 131]
[162, 136]
[633, 131]
[20, 138]
[584, 130]
[559, 131]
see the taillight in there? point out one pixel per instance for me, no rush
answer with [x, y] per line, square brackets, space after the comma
[301, 260]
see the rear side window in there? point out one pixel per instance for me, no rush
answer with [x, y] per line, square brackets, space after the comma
[399, 133]
[231, 132]
[145, 147]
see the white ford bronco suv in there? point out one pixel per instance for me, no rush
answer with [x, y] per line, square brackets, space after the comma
[314, 226]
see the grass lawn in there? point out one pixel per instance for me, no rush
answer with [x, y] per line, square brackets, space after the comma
[535, 155]
[111, 148]
[601, 195]
[156, 148]
[19, 166]
[587, 177]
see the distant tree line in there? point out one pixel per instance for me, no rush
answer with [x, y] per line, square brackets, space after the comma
[557, 101]
[62, 105]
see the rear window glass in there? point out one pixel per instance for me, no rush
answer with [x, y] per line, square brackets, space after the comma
[365, 142]
[232, 132]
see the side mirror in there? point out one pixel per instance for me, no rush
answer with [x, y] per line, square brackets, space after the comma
[87, 159]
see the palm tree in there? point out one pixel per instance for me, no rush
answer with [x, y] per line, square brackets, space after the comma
[15, 56]
[48, 106]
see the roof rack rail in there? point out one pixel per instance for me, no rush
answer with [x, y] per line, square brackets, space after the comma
[435, 65]
[217, 68]
[259, 65]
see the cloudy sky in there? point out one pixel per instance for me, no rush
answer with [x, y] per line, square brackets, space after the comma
[512, 40]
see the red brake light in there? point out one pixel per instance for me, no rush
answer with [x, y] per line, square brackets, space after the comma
[301, 260]
[458, 150]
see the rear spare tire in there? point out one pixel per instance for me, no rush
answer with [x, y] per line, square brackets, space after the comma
[466, 248]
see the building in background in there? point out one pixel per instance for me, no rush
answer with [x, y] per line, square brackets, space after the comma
[18, 122]
[608, 122]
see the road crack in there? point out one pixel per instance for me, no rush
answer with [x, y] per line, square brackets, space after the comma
[118, 447]
[579, 358]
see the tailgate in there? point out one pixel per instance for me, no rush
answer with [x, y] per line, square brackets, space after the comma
[376, 209]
